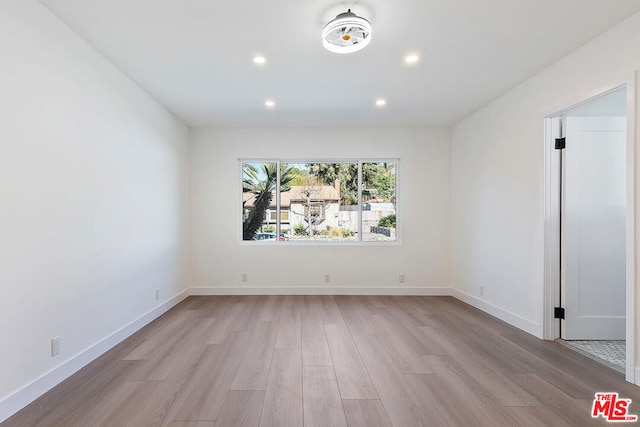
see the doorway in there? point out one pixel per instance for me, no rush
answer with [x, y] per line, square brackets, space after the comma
[588, 181]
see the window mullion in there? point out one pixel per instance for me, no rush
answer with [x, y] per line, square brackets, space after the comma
[278, 201]
[359, 229]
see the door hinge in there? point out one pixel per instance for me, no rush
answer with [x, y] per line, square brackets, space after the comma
[561, 143]
[558, 313]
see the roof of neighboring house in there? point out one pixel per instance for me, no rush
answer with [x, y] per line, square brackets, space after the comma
[298, 194]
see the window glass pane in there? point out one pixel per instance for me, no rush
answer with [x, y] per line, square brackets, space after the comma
[258, 200]
[321, 200]
[379, 201]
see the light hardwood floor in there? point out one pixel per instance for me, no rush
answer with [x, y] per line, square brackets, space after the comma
[329, 361]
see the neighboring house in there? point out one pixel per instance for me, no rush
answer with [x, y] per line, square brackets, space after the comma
[318, 204]
[372, 212]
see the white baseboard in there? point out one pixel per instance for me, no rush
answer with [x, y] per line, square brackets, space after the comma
[512, 319]
[30, 392]
[319, 290]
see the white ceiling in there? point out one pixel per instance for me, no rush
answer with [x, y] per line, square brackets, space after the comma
[195, 56]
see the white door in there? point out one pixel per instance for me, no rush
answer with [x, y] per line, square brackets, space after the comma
[593, 228]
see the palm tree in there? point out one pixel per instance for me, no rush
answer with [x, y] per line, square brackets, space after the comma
[262, 183]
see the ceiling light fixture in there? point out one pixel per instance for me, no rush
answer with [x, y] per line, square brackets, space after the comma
[259, 60]
[269, 103]
[381, 102]
[347, 33]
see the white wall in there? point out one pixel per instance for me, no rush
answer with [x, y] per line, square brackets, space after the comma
[219, 258]
[93, 197]
[497, 175]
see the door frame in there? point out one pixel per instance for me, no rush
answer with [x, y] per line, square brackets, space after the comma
[551, 290]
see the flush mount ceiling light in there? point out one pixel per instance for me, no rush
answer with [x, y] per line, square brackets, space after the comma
[347, 33]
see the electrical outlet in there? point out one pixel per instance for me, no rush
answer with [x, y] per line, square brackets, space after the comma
[245, 277]
[55, 346]
[401, 278]
[327, 278]
[481, 289]
[157, 294]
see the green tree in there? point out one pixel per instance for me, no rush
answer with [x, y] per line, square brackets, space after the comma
[261, 182]
[347, 173]
[384, 181]
[303, 178]
[378, 180]
[299, 177]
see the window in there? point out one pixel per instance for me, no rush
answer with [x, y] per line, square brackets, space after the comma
[319, 201]
[273, 214]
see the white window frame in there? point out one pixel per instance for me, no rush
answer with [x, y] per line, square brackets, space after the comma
[358, 241]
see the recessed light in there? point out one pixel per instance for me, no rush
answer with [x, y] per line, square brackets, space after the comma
[411, 59]
[269, 103]
[259, 60]
[381, 102]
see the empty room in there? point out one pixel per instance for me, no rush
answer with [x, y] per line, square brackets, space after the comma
[416, 213]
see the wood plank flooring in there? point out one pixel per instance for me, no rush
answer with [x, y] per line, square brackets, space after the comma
[329, 361]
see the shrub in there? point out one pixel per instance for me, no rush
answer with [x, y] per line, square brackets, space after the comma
[269, 229]
[336, 232]
[348, 233]
[388, 221]
[299, 230]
